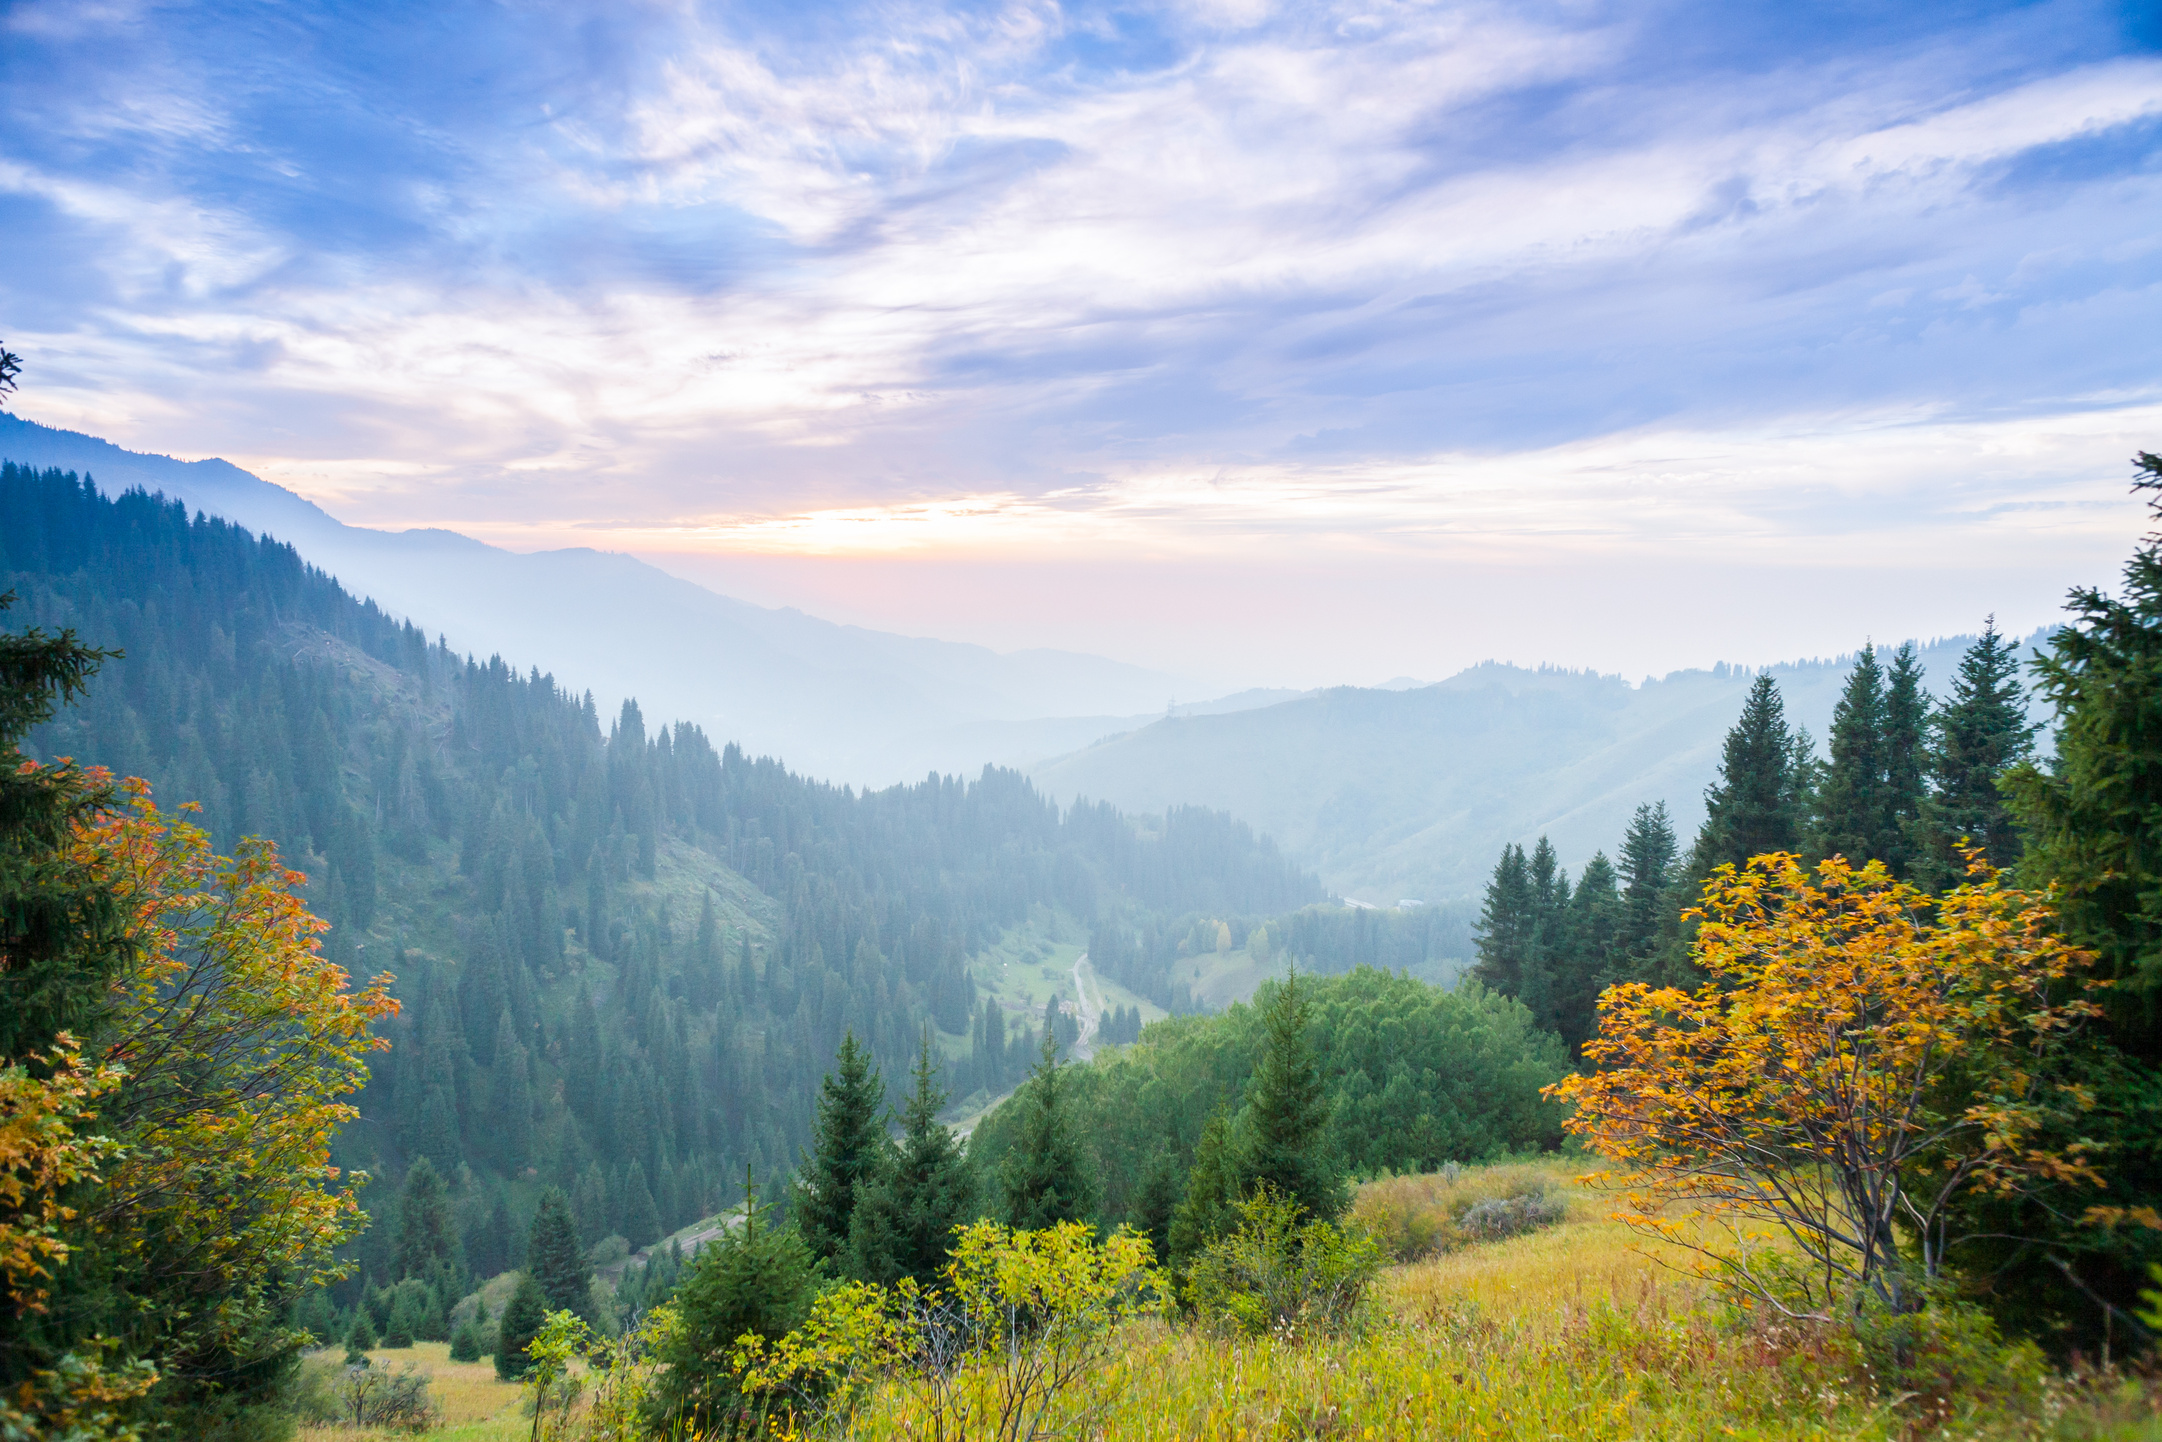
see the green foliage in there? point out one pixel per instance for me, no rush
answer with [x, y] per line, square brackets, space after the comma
[1870, 800]
[605, 931]
[906, 1214]
[1761, 799]
[1045, 1177]
[520, 1323]
[555, 1261]
[1982, 732]
[1205, 1211]
[1284, 1272]
[849, 1147]
[1413, 1077]
[427, 1236]
[1646, 868]
[758, 1279]
[61, 931]
[2093, 820]
[404, 1320]
[1283, 1146]
[465, 1342]
[360, 1337]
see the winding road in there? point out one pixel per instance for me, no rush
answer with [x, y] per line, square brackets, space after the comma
[1089, 1012]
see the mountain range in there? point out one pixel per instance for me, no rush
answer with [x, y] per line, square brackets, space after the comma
[1397, 792]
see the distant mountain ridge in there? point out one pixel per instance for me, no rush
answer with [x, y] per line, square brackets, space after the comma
[1396, 794]
[841, 702]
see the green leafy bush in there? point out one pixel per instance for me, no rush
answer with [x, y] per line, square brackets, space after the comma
[1276, 1273]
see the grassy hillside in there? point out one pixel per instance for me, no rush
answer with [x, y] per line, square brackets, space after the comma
[1579, 1332]
[1394, 795]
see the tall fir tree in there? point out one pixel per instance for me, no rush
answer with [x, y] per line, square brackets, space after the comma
[1205, 1212]
[1284, 1143]
[1981, 733]
[1585, 962]
[641, 1217]
[427, 1236]
[554, 1259]
[905, 1217]
[1045, 1178]
[1760, 802]
[520, 1323]
[1852, 801]
[849, 1146]
[63, 933]
[1906, 759]
[1648, 855]
[1507, 924]
[1156, 1202]
[2093, 823]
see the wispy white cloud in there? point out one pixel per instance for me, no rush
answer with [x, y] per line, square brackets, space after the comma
[910, 279]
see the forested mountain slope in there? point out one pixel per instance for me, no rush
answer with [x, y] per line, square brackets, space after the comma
[625, 956]
[841, 702]
[1396, 794]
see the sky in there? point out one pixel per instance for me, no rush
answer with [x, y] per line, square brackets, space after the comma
[1259, 343]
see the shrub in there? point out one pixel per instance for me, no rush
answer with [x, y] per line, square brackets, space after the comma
[1492, 1221]
[465, 1343]
[1275, 1274]
[1422, 1216]
[1020, 1342]
[364, 1396]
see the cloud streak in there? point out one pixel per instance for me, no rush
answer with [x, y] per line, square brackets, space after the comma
[929, 279]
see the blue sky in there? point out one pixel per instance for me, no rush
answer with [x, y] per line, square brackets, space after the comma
[1296, 343]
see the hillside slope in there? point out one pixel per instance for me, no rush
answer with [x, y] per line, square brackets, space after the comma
[1411, 794]
[840, 702]
[625, 955]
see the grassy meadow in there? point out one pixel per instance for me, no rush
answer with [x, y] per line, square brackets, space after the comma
[1579, 1330]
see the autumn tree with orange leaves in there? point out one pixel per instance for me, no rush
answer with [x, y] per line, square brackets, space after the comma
[179, 1053]
[1863, 1055]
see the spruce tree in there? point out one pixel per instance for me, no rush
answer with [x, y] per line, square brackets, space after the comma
[1205, 1212]
[1854, 802]
[63, 933]
[1906, 759]
[405, 1319]
[1156, 1202]
[2093, 822]
[1507, 924]
[641, 1218]
[521, 1322]
[1647, 871]
[849, 1144]
[1045, 1178]
[465, 1343]
[360, 1337]
[1284, 1141]
[427, 1237]
[1981, 733]
[754, 1278]
[904, 1221]
[1760, 802]
[555, 1261]
[1586, 962]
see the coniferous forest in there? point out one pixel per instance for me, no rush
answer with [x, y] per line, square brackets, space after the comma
[624, 957]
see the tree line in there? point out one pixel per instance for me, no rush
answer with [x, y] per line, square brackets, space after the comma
[1906, 780]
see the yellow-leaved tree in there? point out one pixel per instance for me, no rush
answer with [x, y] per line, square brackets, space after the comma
[1863, 1054]
[190, 1139]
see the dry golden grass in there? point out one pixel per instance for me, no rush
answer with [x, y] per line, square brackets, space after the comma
[476, 1406]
